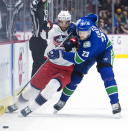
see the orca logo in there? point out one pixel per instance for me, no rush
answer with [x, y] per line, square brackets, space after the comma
[87, 44]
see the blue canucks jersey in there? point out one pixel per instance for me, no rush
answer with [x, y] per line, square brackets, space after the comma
[95, 48]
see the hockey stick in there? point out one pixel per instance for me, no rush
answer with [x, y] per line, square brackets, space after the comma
[41, 67]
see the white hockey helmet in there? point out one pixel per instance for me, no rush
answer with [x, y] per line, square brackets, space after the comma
[64, 16]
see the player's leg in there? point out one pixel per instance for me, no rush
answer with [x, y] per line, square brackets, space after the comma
[43, 97]
[68, 90]
[61, 77]
[106, 71]
[29, 93]
[77, 77]
[107, 76]
[38, 82]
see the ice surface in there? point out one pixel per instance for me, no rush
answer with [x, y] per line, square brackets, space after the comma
[87, 110]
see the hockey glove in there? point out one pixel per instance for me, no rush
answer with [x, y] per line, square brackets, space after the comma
[48, 26]
[72, 29]
[71, 43]
[55, 54]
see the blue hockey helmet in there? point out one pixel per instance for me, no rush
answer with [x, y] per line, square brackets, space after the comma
[91, 17]
[84, 25]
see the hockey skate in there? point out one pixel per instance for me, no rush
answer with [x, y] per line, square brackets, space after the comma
[26, 111]
[116, 110]
[58, 106]
[12, 108]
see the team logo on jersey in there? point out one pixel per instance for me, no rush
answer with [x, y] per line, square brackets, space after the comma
[59, 39]
[87, 44]
[105, 59]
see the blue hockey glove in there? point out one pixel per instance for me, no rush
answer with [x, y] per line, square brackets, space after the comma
[55, 54]
[72, 29]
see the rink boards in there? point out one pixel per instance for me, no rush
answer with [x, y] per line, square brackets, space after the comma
[120, 45]
[13, 70]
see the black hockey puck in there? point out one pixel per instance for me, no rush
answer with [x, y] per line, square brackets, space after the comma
[5, 126]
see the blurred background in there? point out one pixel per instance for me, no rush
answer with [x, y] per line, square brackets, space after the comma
[15, 15]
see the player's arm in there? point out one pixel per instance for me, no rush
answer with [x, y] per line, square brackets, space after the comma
[83, 53]
[68, 45]
[39, 16]
[77, 57]
[88, 50]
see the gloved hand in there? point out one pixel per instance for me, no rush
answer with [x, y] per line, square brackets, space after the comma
[72, 29]
[47, 25]
[71, 43]
[55, 54]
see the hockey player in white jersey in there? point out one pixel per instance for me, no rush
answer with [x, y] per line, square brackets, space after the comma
[55, 74]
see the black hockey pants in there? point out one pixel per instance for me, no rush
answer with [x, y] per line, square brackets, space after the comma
[37, 46]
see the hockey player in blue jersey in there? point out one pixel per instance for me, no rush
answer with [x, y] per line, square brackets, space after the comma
[94, 47]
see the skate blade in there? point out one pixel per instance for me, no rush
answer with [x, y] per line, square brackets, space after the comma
[55, 112]
[20, 114]
[117, 115]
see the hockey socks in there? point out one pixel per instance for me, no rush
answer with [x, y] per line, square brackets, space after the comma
[40, 100]
[67, 92]
[112, 92]
[107, 76]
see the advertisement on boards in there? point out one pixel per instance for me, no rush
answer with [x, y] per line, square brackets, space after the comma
[20, 65]
[5, 71]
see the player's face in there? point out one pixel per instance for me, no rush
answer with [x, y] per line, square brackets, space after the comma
[84, 34]
[64, 25]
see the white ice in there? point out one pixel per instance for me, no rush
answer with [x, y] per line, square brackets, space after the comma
[87, 110]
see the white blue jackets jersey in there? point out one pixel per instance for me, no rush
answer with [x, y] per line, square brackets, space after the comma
[56, 37]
